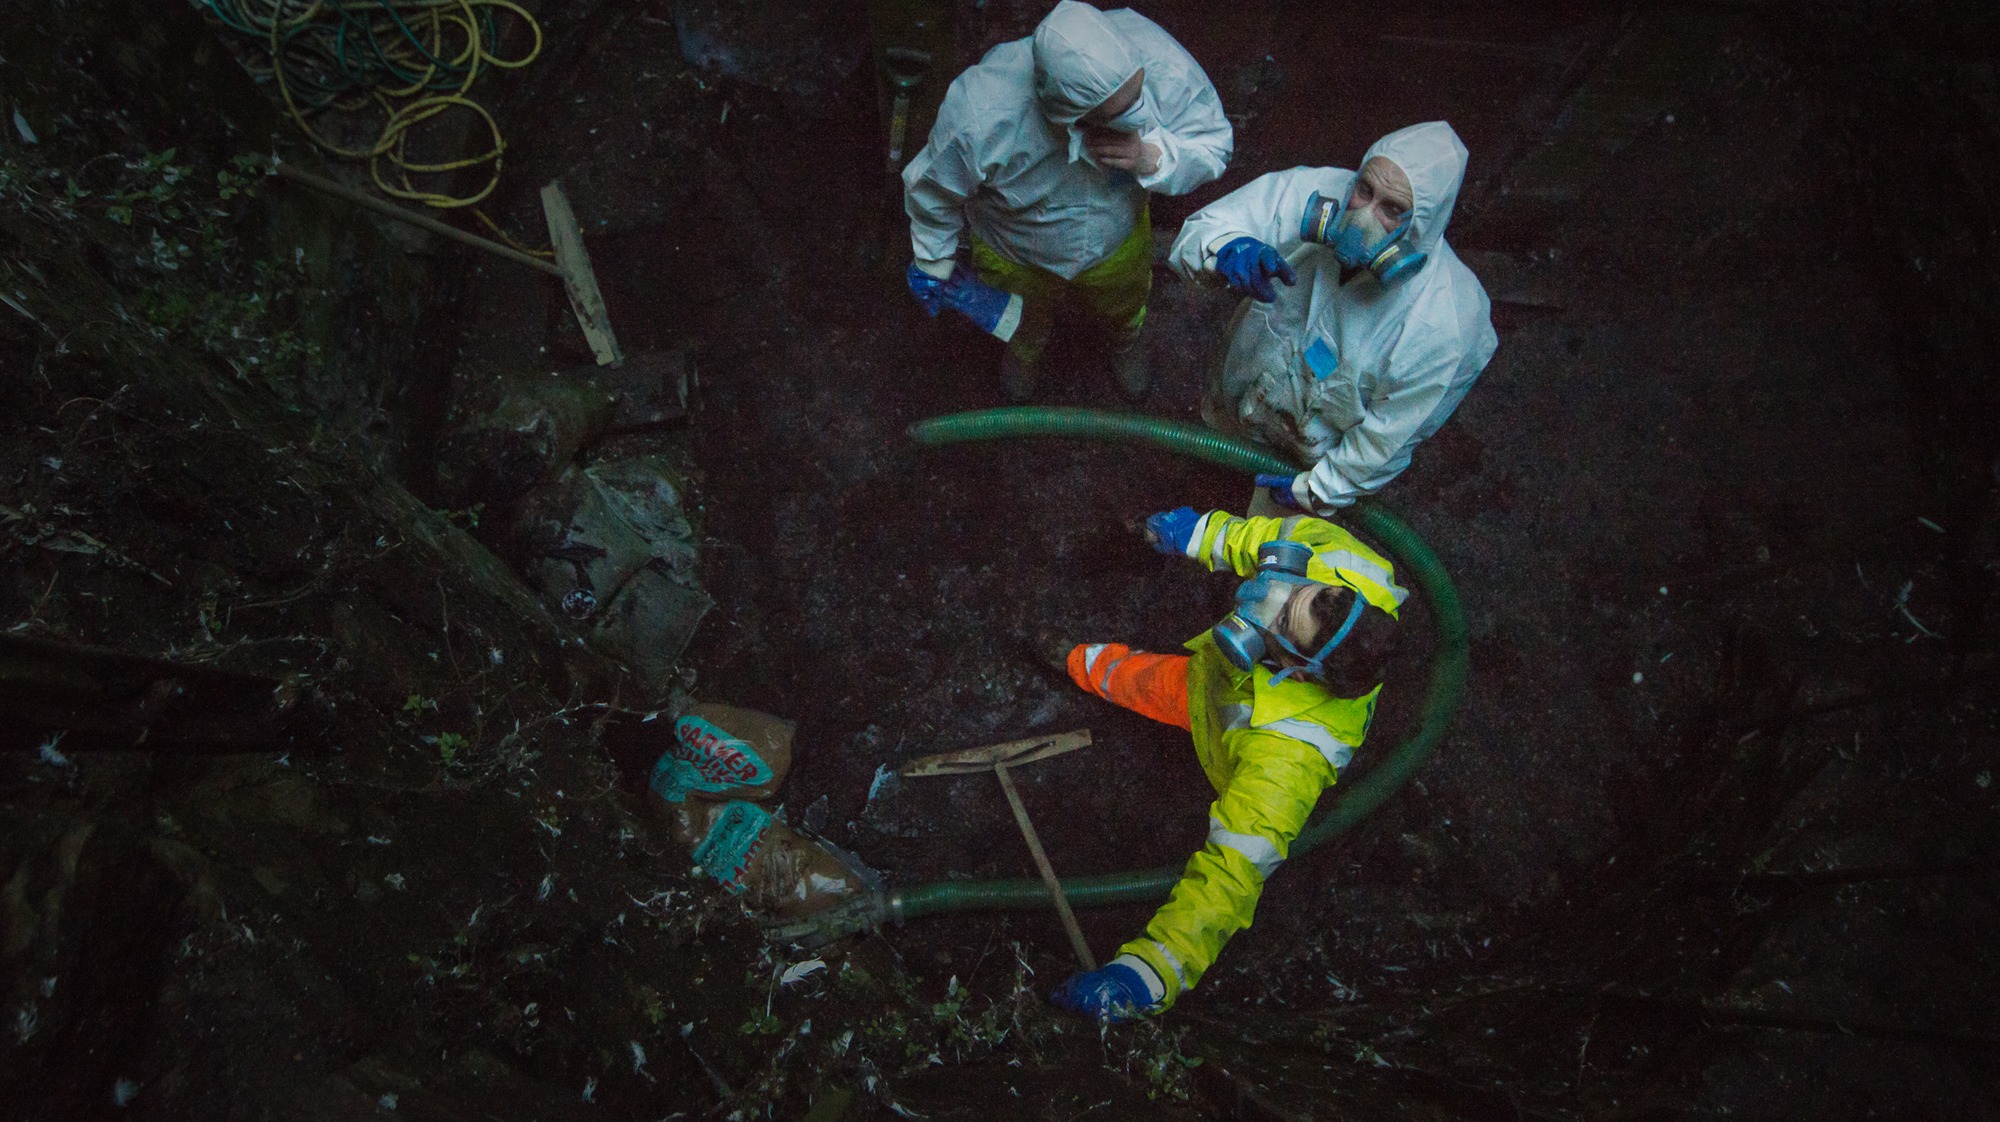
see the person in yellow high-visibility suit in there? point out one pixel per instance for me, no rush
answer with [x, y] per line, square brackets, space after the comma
[1277, 697]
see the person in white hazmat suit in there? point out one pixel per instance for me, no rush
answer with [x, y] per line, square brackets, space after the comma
[1045, 151]
[1375, 330]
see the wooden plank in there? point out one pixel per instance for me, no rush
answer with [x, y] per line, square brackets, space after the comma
[1048, 871]
[1015, 752]
[573, 264]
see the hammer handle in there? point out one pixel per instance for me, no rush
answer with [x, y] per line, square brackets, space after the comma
[899, 128]
[401, 214]
[1048, 871]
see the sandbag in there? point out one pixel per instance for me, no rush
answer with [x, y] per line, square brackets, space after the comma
[719, 761]
[776, 871]
[722, 752]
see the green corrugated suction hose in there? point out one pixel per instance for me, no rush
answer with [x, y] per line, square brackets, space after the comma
[1353, 803]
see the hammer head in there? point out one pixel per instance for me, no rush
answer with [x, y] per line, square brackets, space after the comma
[905, 67]
[1013, 754]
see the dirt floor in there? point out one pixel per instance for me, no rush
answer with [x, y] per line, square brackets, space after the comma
[1714, 834]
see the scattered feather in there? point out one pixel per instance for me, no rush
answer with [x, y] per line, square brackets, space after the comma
[1903, 606]
[801, 970]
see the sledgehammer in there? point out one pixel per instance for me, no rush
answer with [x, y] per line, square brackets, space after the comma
[571, 266]
[998, 757]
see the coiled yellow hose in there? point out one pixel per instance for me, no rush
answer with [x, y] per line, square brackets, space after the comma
[410, 60]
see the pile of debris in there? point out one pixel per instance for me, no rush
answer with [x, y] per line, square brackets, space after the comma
[606, 542]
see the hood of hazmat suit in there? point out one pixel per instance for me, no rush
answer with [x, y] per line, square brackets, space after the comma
[1434, 159]
[1344, 375]
[1006, 159]
[1079, 61]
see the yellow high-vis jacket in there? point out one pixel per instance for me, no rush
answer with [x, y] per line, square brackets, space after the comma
[1269, 750]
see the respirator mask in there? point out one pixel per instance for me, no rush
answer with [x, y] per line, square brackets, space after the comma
[1359, 241]
[1253, 633]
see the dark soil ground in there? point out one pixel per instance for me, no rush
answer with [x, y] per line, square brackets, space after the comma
[1714, 834]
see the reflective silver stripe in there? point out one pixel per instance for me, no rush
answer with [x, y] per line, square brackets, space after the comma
[1286, 527]
[1336, 751]
[1103, 679]
[1234, 717]
[1090, 654]
[1258, 851]
[1361, 566]
[1218, 550]
[1173, 961]
[1193, 549]
[1156, 990]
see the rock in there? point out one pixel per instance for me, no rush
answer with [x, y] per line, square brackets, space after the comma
[608, 547]
[529, 438]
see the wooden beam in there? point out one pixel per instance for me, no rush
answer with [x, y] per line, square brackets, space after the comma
[573, 265]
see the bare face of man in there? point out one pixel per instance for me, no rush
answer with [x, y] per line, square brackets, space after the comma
[1383, 189]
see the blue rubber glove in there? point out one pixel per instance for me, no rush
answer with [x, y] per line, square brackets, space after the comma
[1172, 530]
[986, 306]
[928, 290]
[1248, 265]
[1113, 992]
[992, 310]
[1281, 489]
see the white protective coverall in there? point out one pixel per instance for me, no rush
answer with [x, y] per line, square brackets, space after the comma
[1406, 355]
[1000, 155]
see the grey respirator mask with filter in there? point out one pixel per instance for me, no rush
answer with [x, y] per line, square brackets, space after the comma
[1359, 241]
[1253, 633]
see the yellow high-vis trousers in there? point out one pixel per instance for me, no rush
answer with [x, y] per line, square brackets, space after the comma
[1114, 290]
